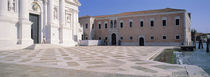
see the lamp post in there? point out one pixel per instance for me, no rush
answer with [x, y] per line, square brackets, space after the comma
[207, 43]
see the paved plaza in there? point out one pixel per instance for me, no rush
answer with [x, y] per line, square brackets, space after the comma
[91, 61]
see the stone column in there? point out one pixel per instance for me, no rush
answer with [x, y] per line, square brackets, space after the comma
[90, 33]
[3, 7]
[24, 11]
[50, 11]
[50, 8]
[62, 19]
[24, 24]
[45, 22]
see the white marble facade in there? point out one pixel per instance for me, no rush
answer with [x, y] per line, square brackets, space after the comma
[57, 23]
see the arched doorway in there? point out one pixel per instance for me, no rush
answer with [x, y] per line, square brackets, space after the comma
[114, 42]
[141, 41]
[36, 17]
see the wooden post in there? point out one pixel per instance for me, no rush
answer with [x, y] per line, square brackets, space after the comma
[200, 44]
[207, 46]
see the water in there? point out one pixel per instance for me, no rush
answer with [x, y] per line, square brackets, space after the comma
[179, 57]
[198, 57]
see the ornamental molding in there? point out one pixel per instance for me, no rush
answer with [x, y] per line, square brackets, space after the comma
[75, 3]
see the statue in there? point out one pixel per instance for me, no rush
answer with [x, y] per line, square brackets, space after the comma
[55, 13]
[11, 5]
[68, 18]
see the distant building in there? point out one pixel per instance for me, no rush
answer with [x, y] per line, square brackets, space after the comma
[27, 22]
[153, 27]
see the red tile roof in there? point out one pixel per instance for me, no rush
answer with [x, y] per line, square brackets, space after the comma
[141, 12]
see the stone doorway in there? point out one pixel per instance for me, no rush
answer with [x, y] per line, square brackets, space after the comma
[35, 31]
[114, 42]
[141, 41]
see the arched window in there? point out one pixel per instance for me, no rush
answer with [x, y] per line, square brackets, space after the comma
[142, 23]
[121, 24]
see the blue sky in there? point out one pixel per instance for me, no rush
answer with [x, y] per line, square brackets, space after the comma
[200, 9]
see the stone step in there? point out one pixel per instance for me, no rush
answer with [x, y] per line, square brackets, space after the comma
[43, 46]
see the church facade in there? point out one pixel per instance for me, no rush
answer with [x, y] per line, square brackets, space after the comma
[152, 27]
[27, 22]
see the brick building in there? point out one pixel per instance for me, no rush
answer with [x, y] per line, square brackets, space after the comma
[152, 27]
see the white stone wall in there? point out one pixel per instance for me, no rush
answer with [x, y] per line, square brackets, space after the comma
[58, 22]
[188, 40]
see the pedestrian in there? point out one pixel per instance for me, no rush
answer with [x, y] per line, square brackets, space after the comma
[105, 42]
[44, 40]
[200, 44]
[119, 42]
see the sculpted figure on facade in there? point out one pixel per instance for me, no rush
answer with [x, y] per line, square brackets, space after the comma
[11, 5]
[68, 18]
[55, 13]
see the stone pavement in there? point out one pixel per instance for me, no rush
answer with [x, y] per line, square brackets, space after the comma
[92, 61]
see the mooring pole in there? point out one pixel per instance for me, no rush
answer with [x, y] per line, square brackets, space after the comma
[200, 42]
[207, 46]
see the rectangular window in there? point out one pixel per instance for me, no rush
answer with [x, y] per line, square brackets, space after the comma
[105, 25]
[99, 38]
[164, 22]
[177, 37]
[121, 25]
[99, 26]
[152, 23]
[131, 38]
[86, 26]
[152, 38]
[121, 38]
[141, 23]
[164, 38]
[177, 21]
[131, 24]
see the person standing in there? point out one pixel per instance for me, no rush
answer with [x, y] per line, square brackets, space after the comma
[44, 40]
[200, 44]
[119, 42]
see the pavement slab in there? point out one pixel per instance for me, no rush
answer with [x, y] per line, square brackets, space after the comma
[90, 61]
